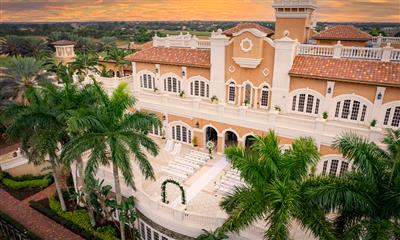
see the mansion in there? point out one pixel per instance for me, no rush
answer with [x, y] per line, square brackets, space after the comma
[242, 82]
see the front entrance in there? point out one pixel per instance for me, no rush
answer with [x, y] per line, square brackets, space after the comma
[230, 139]
[211, 135]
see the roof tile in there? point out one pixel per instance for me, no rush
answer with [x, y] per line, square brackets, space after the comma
[242, 26]
[355, 70]
[343, 32]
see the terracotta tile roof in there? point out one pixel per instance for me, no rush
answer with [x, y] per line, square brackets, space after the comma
[354, 70]
[143, 46]
[174, 56]
[242, 26]
[343, 32]
[63, 43]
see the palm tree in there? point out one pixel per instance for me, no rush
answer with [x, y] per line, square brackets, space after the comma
[11, 45]
[35, 47]
[274, 190]
[20, 74]
[366, 200]
[112, 135]
[38, 127]
[84, 63]
[212, 235]
[117, 55]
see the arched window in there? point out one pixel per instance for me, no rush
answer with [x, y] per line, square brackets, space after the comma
[231, 92]
[392, 117]
[334, 167]
[351, 110]
[305, 103]
[181, 133]
[247, 93]
[147, 81]
[171, 84]
[264, 98]
[199, 88]
[157, 131]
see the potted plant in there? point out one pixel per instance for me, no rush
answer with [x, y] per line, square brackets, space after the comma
[210, 146]
[194, 141]
[373, 123]
[182, 94]
[325, 115]
[277, 108]
[156, 90]
[246, 102]
[214, 99]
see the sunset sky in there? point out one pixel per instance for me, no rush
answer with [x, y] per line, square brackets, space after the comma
[132, 10]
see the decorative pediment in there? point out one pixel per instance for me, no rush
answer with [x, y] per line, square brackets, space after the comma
[247, 62]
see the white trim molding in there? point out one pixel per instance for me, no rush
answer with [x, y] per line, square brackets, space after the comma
[247, 62]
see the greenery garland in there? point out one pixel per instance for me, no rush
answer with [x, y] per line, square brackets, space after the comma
[164, 194]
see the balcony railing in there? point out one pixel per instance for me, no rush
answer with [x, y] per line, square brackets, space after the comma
[385, 40]
[181, 41]
[339, 51]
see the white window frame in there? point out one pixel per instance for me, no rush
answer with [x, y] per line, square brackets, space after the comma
[328, 159]
[143, 226]
[140, 78]
[178, 136]
[230, 85]
[352, 97]
[176, 83]
[199, 80]
[264, 88]
[317, 97]
[385, 107]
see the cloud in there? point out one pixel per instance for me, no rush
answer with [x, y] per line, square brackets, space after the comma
[132, 10]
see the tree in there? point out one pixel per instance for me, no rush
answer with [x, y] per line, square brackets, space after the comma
[21, 73]
[11, 45]
[84, 63]
[112, 135]
[117, 55]
[108, 43]
[366, 200]
[37, 126]
[212, 235]
[274, 190]
[35, 47]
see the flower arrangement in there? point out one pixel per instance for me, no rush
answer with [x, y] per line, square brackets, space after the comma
[210, 146]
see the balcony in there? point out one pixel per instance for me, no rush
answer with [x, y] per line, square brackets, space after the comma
[181, 41]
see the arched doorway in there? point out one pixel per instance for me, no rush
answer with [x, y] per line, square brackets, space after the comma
[249, 141]
[211, 135]
[231, 139]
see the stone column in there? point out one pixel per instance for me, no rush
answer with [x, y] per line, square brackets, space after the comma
[217, 72]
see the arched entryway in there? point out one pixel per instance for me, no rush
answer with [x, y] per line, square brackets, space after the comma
[249, 141]
[231, 139]
[211, 135]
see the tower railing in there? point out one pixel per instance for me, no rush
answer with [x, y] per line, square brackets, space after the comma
[181, 41]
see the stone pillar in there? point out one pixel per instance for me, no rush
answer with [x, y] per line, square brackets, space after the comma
[255, 100]
[387, 50]
[135, 79]
[285, 49]
[220, 144]
[380, 93]
[218, 42]
[337, 50]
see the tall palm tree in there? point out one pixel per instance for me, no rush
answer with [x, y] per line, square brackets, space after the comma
[112, 135]
[20, 74]
[274, 190]
[84, 63]
[38, 127]
[366, 200]
[35, 47]
[117, 55]
[11, 45]
[212, 235]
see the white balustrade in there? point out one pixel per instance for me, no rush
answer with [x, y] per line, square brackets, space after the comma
[385, 40]
[317, 50]
[395, 55]
[181, 41]
[362, 53]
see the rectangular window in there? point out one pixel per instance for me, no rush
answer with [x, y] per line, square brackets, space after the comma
[191, 88]
[190, 136]
[302, 99]
[337, 109]
[184, 134]
[145, 81]
[396, 117]
[324, 167]
[264, 98]
[364, 111]
[142, 231]
[202, 89]
[156, 236]
[150, 82]
[173, 132]
[179, 85]
[141, 81]
[165, 84]
[344, 167]
[178, 133]
[196, 88]
[310, 103]
[148, 233]
[169, 84]
[164, 238]
[208, 90]
[174, 87]
[346, 109]
[294, 103]
[231, 93]
[354, 111]
[317, 106]
[334, 166]
[387, 115]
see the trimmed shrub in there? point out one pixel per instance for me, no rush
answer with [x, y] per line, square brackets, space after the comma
[81, 219]
[35, 183]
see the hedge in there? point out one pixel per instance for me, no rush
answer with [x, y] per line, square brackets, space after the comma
[77, 221]
[35, 183]
[18, 226]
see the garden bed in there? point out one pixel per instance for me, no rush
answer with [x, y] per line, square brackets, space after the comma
[75, 220]
[24, 186]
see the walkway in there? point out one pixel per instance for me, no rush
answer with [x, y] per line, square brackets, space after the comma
[203, 181]
[34, 221]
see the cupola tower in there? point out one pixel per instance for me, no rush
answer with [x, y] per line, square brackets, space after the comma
[295, 16]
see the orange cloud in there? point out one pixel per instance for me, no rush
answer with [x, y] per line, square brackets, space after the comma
[147, 10]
